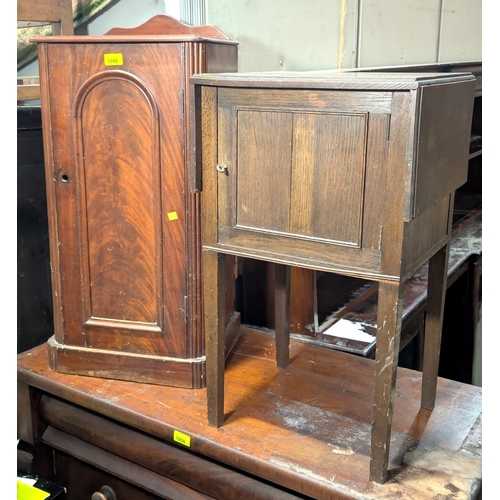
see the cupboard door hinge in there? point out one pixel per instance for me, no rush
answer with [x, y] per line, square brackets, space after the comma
[185, 309]
[182, 101]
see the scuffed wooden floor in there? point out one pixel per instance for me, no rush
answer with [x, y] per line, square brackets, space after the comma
[307, 427]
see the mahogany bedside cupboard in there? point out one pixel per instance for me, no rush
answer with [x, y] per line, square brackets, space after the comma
[124, 227]
[351, 173]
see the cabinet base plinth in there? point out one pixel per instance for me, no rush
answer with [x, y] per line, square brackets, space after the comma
[151, 369]
[162, 370]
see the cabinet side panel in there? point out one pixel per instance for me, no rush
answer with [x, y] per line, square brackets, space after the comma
[424, 234]
[221, 58]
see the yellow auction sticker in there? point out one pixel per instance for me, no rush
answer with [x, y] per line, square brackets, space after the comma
[182, 438]
[172, 216]
[28, 492]
[113, 59]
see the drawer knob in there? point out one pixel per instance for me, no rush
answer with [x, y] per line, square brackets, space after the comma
[105, 493]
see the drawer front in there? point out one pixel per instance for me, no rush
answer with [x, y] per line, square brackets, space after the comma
[155, 465]
[82, 480]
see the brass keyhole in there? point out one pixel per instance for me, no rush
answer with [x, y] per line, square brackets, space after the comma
[222, 169]
[64, 177]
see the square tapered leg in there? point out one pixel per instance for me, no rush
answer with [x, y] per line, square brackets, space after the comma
[436, 294]
[214, 266]
[282, 314]
[389, 318]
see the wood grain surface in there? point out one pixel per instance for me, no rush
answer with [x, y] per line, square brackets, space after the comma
[124, 228]
[306, 427]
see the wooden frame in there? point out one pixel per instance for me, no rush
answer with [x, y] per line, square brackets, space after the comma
[59, 14]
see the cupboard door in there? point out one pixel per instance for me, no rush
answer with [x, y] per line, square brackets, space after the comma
[120, 197]
[296, 183]
[293, 172]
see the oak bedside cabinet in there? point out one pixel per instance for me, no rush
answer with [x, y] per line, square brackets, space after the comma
[350, 173]
[124, 227]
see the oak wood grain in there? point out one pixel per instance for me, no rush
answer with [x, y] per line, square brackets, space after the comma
[291, 188]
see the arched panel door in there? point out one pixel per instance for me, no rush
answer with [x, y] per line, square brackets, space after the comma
[121, 242]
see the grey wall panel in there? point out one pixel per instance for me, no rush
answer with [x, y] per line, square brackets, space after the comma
[281, 34]
[325, 34]
[322, 34]
[461, 31]
[394, 32]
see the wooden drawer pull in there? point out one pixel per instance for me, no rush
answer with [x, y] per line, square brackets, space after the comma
[105, 493]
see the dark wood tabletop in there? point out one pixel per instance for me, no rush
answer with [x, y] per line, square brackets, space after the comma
[306, 428]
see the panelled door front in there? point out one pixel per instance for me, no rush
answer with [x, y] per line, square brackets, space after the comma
[118, 181]
[304, 171]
